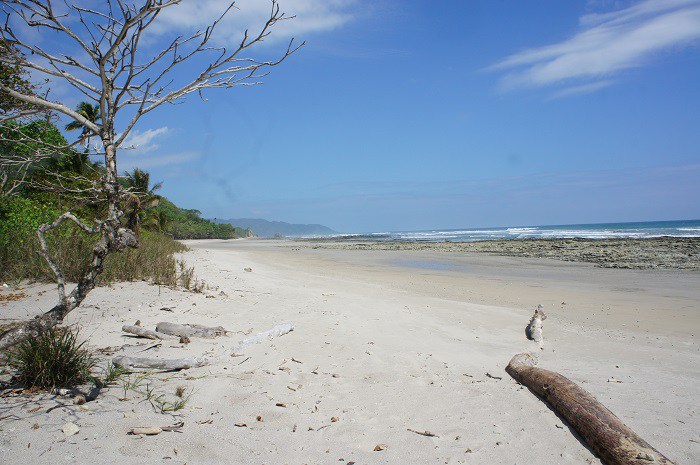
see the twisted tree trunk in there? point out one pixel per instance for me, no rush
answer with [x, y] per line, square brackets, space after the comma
[599, 427]
[114, 238]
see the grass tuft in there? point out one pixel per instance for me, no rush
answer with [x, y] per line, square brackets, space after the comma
[54, 359]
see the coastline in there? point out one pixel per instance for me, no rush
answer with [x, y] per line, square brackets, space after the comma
[384, 344]
[630, 253]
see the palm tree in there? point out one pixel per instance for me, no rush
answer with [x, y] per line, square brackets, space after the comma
[159, 221]
[142, 197]
[91, 113]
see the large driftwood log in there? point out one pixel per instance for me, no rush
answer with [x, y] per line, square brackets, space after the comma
[142, 332]
[534, 329]
[185, 363]
[598, 426]
[190, 330]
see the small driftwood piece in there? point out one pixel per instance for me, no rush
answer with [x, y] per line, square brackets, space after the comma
[534, 329]
[141, 332]
[599, 427]
[186, 363]
[190, 330]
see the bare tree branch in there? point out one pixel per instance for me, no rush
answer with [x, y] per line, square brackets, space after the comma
[96, 51]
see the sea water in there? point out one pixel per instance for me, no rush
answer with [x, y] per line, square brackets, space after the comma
[649, 229]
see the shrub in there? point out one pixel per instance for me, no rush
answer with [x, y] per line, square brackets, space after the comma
[71, 249]
[54, 359]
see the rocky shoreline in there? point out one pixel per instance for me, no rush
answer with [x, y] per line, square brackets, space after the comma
[662, 252]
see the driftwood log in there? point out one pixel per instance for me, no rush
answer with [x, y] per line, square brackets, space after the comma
[534, 329]
[190, 330]
[599, 427]
[142, 332]
[186, 363]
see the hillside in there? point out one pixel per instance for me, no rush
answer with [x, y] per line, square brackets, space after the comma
[265, 228]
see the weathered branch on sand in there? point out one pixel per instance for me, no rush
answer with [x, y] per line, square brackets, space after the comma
[534, 329]
[185, 363]
[190, 330]
[598, 426]
[142, 332]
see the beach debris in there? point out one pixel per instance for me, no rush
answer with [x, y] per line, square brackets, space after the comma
[168, 309]
[240, 425]
[35, 409]
[185, 363]
[598, 427]
[138, 331]
[190, 330]
[145, 430]
[489, 375]
[247, 270]
[280, 404]
[258, 418]
[205, 422]
[613, 380]
[334, 419]
[423, 433]
[534, 329]
[79, 399]
[184, 340]
[12, 297]
[380, 447]
[174, 428]
[70, 429]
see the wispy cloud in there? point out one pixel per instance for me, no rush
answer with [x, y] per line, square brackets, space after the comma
[311, 16]
[606, 44]
[144, 141]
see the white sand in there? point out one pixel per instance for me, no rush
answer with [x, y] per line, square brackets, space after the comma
[382, 348]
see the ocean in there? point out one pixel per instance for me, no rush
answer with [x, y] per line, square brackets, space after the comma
[639, 230]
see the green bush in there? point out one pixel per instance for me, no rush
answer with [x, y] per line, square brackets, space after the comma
[71, 249]
[54, 359]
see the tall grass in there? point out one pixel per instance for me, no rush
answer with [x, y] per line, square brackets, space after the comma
[71, 249]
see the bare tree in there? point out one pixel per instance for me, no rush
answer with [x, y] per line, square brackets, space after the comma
[106, 66]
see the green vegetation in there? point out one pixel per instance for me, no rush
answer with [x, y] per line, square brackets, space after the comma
[54, 359]
[39, 199]
[188, 224]
[71, 249]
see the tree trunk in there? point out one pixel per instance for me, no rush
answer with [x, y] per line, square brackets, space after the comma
[599, 427]
[114, 238]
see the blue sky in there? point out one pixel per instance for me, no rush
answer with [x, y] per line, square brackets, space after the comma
[412, 115]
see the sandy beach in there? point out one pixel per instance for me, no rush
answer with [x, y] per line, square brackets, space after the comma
[387, 344]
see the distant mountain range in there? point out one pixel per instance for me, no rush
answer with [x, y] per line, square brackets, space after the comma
[264, 228]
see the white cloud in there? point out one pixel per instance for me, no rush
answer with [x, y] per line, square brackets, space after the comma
[143, 142]
[311, 16]
[582, 89]
[606, 44]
